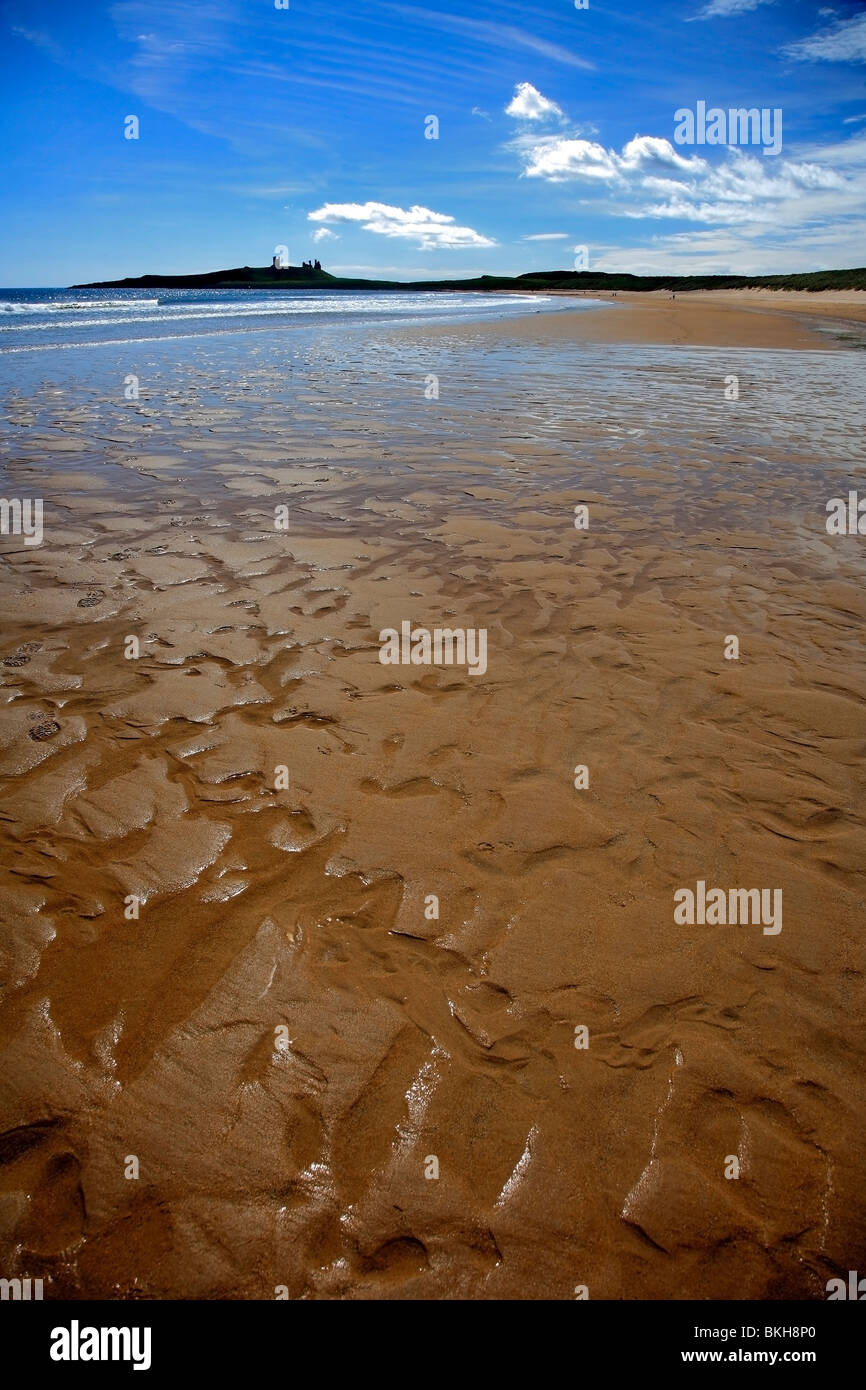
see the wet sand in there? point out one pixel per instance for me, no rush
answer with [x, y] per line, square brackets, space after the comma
[287, 1034]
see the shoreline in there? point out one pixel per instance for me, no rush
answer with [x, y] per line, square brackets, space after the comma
[797, 320]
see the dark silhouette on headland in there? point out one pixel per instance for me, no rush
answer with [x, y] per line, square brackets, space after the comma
[311, 276]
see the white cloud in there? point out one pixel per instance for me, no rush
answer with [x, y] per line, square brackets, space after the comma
[547, 236]
[485, 115]
[726, 9]
[323, 234]
[432, 231]
[649, 178]
[528, 104]
[646, 152]
[561, 159]
[843, 42]
[739, 191]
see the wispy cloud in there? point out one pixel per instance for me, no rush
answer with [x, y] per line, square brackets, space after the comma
[547, 236]
[494, 35]
[39, 40]
[198, 64]
[269, 190]
[727, 9]
[743, 251]
[842, 42]
[431, 231]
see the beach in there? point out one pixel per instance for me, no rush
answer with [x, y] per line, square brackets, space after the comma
[283, 923]
[722, 318]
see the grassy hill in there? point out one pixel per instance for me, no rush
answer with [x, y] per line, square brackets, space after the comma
[297, 278]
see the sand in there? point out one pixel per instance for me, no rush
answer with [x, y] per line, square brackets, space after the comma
[295, 1070]
[714, 318]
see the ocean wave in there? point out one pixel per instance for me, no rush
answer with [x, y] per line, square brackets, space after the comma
[170, 313]
[14, 306]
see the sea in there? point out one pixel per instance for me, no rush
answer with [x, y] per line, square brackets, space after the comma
[73, 338]
[41, 320]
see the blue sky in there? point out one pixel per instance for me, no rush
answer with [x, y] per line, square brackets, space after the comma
[305, 127]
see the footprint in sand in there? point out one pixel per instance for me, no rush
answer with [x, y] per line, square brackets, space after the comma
[90, 600]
